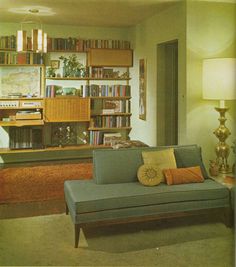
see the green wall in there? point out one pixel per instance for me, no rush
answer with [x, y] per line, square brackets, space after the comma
[203, 30]
[210, 34]
[163, 27]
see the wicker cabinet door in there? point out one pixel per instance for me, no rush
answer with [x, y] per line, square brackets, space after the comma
[67, 109]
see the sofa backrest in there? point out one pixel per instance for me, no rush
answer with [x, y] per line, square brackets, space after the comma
[121, 165]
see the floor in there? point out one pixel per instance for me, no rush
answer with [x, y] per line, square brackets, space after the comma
[47, 240]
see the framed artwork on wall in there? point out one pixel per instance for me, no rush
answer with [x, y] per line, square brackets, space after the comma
[142, 89]
[55, 64]
[20, 81]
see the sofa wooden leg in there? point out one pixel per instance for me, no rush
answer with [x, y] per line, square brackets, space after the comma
[228, 217]
[67, 210]
[77, 232]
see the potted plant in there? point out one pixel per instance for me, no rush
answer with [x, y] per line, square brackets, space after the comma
[72, 67]
[51, 72]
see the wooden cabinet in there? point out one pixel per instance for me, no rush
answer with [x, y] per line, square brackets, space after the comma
[67, 109]
[21, 112]
[110, 57]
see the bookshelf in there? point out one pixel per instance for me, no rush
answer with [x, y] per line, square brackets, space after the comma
[107, 79]
[107, 64]
[110, 102]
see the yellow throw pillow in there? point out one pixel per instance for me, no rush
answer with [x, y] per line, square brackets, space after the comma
[149, 175]
[163, 159]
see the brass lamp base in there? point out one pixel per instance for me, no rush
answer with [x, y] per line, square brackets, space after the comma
[222, 149]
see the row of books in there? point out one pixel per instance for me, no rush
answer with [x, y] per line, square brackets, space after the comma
[106, 90]
[110, 121]
[25, 137]
[53, 90]
[80, 45]
[99, 138]
[70, 44]
[21, 58]
[96, 138]
[115, 106]
[8, 42]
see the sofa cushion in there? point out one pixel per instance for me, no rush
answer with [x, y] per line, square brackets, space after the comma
[183, 175]
[116, 166]
[87, 196]
[161, 158]
[121, 165]
[190, 156]
[149, 175]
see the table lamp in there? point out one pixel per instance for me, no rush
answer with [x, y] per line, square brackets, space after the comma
[219, 83]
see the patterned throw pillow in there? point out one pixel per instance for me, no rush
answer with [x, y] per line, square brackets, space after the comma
[149, 175]
[183, 175]
[163, 159]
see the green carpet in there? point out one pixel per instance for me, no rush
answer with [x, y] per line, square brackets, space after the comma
[48, 240]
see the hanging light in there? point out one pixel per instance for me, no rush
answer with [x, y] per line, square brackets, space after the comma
[21, 44]
[38, 37]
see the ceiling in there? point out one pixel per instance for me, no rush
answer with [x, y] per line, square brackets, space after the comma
[108, 13]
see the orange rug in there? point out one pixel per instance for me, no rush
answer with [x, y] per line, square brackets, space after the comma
[39, 183]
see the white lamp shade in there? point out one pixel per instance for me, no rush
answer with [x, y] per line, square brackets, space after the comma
[219, 79]
[21, 41]
[44, 42]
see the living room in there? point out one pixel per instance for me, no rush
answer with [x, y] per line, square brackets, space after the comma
[203, 30]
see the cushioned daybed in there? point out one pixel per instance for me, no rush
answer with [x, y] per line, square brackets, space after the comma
[115, 195]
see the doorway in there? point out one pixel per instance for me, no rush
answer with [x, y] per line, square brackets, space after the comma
[167, 93]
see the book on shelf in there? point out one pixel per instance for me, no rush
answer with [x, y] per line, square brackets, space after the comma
[119, 106]
[53, 90]
[68, 44]
[107, 111]
[95, 90]
[110, 121]
[83, 45]
[21, 58]
[8, 42]
[95, 138]
[25, 138]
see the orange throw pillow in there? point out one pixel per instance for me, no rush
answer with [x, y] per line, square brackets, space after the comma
[183, 175]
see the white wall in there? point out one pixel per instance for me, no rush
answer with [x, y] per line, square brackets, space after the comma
[210, 34]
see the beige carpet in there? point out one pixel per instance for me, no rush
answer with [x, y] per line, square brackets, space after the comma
[48, 241]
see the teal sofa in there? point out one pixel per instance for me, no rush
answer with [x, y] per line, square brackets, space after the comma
[114, 195]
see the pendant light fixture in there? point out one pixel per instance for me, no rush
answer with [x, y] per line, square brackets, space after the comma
[38, 43]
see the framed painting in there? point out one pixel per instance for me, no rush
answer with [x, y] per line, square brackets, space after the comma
[55, 64]
[142, 89]
[20, 80]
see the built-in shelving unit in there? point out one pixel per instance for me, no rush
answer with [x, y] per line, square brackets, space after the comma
[63, 112]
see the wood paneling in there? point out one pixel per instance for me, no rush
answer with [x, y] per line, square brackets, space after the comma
[110, 57]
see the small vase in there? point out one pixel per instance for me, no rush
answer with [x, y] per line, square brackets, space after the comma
[214, 168]
[65, 71]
